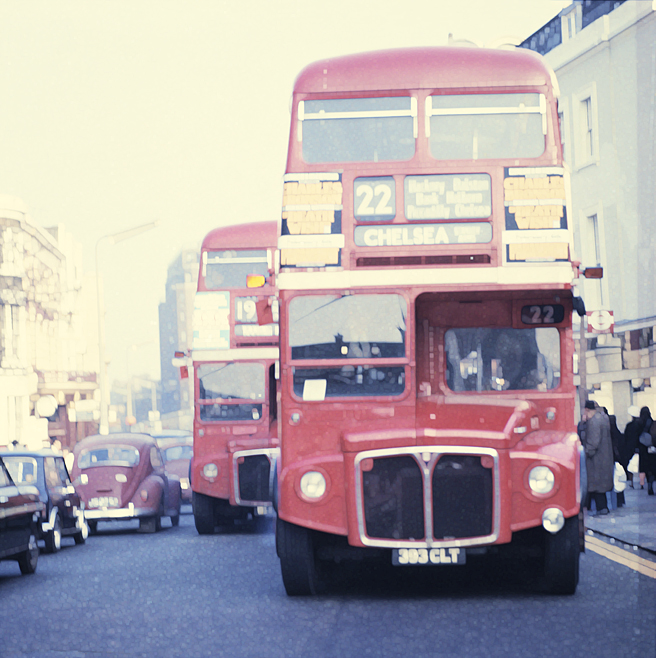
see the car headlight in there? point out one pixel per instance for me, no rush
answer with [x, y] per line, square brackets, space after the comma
[184, 483]
[210, 470]
[313, 484]
[120, 477]
[541, 479]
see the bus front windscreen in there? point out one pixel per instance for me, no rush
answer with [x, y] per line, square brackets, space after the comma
[502, 359]
[337, 327]
[231, 391]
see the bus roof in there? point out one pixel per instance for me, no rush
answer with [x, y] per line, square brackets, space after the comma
[251, 235]
[425, 68]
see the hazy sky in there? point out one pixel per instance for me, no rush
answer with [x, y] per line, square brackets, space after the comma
[113, 114]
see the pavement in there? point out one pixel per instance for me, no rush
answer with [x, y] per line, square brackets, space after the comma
[634, 524]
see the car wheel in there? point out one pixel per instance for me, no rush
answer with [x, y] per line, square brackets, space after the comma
[561, 558]
[81, 536]
[203, 507]
[175, 519]
[93, 527]
[301, 570]
[28, 560]
[148, 524]
[53, 537]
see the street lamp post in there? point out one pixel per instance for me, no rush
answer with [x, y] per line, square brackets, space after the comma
[113, 238]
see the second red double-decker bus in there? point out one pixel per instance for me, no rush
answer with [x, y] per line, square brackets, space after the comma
[235, 359]
[426, 298]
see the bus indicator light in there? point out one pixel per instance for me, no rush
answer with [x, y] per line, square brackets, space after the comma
[255, 281]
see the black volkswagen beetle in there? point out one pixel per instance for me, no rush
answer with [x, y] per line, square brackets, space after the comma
[20, 510]
[63, 515]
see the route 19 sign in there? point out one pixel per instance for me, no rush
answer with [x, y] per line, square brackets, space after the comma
[601, 322]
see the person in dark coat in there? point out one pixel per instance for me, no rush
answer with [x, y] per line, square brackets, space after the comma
[645, 462]
[650, 458]
[631, 433]
[617, 439]
[599, 460]
[580, 429]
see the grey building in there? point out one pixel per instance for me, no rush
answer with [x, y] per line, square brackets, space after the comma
[175, 333]
[604, 57]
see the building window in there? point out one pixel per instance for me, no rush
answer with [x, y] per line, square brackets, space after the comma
[593, 233]
[587, 128]
[593, 253]
[563, 139]
[571, 23]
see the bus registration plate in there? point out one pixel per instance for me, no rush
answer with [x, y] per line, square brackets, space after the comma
[402, 557]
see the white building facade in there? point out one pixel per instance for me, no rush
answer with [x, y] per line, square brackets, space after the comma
[604, 57]
[48, 335]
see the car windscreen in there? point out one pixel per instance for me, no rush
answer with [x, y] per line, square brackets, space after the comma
[23, 470]
[358, 129]
[501, 359]
[115, 455]
[477, 126]
[229, 269]
[178, 452]
[347, 326]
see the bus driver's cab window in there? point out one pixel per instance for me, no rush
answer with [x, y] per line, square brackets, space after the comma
[493, 359]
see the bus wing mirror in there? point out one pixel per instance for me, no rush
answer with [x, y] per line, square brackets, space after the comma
[579, 306]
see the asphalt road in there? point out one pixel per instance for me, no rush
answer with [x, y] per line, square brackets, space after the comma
[176, 594]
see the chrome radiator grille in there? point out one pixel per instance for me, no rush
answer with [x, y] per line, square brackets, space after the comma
[393, 498]
[462, 497]
[252, 469]
[426, 496]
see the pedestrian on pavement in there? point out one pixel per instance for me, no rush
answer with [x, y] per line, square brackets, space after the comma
[650, 460]
[645, 426]
[631, 433]
[599, 460]
[581, 427]
[617, 439]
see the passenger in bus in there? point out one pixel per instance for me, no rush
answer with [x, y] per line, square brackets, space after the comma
[516, 359]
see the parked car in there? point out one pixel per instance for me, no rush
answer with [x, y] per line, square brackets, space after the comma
[177, 450]
[47, 471]
[121, 476]
[20, 511]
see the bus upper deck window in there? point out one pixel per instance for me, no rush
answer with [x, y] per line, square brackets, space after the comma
[486, 126]
[358, 129]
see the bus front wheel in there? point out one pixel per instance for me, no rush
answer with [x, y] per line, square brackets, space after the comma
[301, 574]
[561, 558]
[204, 517]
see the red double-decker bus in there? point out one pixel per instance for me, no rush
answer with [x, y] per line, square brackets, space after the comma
[234, 360]
[426, 293]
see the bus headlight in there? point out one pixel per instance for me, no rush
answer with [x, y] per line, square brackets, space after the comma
[313, 484]
[210, 470]
[541, 479]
